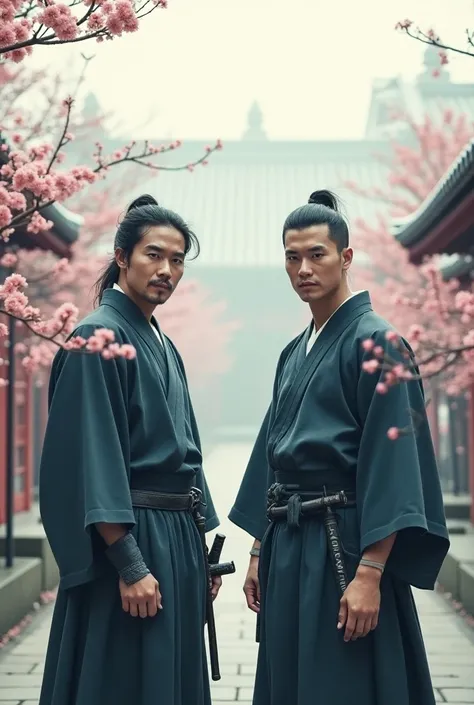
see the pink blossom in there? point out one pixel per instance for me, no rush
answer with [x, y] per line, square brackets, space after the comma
[379, 351]
[26, 178]
[7, 11]
[3, 330]
[95, 344]
[128, 352]
[370, 366]
[393, 433]
[404, 24]
[17, 55]
[7, 34]
[15, 303]
[31, 313]
[368, 345]
[5, 216]
[391, 336]
[106, 335]
[17, 201]
[23, 30]
[8, 260]
[12, 283]
[415, 332]
[75, 343]
[399, 371]
[96, 22]
[66, 311]
[61, 267]
[60, 19]
[38, 224]
[381, 388]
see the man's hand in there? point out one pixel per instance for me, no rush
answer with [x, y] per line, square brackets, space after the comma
[142, 598]
[360, 604]
[252, 586]
[216, 584]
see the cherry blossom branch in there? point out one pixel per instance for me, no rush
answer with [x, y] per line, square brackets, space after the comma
[432, 39]
[28, 172]
[393, 372]
[55, 332]
[26, 24]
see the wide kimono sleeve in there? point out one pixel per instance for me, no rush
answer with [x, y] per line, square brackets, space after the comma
[84, 472]
[398, 487]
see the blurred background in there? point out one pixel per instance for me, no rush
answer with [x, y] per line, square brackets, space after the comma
[304, 95]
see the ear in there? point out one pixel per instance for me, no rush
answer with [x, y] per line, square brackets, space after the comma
[121, 258]
[347, 255]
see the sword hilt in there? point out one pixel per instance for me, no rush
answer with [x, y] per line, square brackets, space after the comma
[216, 549]
[222, 568]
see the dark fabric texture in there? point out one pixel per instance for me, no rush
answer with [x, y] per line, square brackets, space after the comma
[325, 414]
[110, 421]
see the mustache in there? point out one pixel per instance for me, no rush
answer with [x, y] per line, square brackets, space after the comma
[161, 282]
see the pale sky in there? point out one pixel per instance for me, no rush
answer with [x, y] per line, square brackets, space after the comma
[193, 70]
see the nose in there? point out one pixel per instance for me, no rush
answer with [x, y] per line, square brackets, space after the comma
[305, 268]
[164, 269]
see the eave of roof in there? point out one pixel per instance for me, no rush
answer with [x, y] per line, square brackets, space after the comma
[449, 193]
[457, 267]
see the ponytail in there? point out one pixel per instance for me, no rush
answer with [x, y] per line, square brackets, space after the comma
[108, 277]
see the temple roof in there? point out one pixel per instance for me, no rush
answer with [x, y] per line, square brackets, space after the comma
[454, 190]
[238, 203]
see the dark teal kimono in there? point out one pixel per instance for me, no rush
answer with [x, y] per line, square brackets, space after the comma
[326, 414]
[110, 419]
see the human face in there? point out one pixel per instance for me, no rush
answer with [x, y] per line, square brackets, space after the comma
[154, 269]
[314, 265]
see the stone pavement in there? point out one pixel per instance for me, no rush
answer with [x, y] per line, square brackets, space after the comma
[449, 642]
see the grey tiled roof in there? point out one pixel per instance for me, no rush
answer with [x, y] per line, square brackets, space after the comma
[456, 183]
[237, 204]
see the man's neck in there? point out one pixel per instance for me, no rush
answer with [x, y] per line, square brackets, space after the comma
[323, 309]
[146, 308]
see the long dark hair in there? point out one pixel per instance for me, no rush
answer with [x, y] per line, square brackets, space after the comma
[142, 213]
[323, 208]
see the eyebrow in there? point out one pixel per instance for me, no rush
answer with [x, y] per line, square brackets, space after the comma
[316, 248]
[159, 250]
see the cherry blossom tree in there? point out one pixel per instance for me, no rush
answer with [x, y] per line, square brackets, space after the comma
[435, 316]
[31, 179]
[432, 38]
[25, 24]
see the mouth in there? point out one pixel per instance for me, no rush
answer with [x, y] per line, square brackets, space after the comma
[161, 285]
[307, 285]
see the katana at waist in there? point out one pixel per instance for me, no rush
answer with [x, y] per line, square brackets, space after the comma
[314, 496]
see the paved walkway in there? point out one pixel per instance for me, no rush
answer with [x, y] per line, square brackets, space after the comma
[449, 643]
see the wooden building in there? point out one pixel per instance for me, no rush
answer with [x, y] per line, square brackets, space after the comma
[444, 224]
[29, 399]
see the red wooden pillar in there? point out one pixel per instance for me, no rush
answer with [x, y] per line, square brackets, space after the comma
[471, 449]
[3, 425]
[23, 436]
